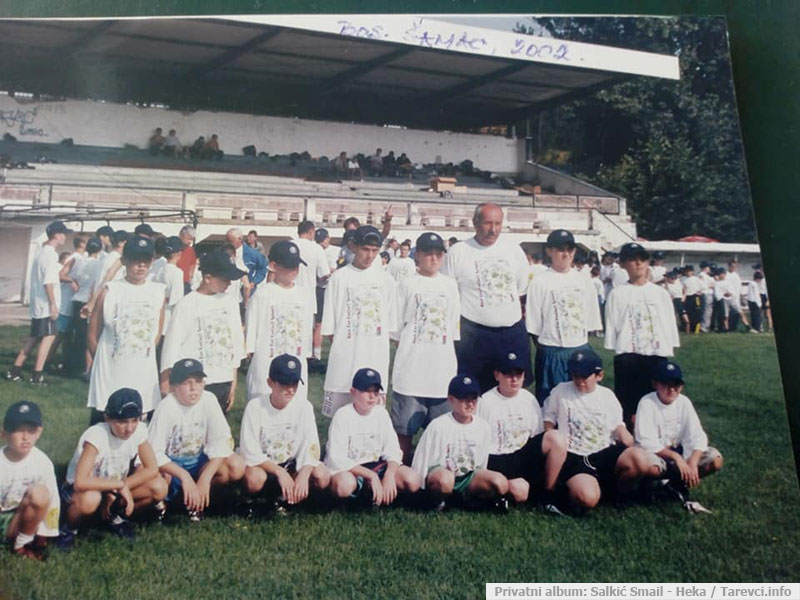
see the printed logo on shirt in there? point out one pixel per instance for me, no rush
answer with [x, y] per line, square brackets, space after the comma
[363, 447]
[363, 311]
[430, 318]
[215, 338]
[460, 456]
[642, 320]
[495, 281]
[134, 325]
[12, 492]
[286, 329]
[512, 432]
[186, 439]
[586, 430]
[568, 305]
[278, 443]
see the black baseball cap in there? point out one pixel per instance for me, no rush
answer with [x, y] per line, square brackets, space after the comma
[367, 235]
[93, 245]
[463, 386]
[430, 241]
[285, 369]
[143, 229]
[321, 234]
[173, 244]
[56, 227]
[658, 255]
[286, 254]
[119, 236]
[22, 413]
[220, 263]
[667, 371]
[104, 230]
[633, 250]
[584, 363]
[139, 248]
[125, 403]
[511, 362]
[559, 238]
[366, 378]
[185, 368]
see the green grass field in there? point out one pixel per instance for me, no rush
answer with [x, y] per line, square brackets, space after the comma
[753, 534]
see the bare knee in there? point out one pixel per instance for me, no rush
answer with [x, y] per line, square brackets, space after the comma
[554, 441]
[235, 466]
[254, 479]
[38, 497]
[519, 489]
[408, 480]
[343, 484]
[320, 477]
[585, 492]
[441, 482]
[498, 483]
[87, 502]
[158, 488]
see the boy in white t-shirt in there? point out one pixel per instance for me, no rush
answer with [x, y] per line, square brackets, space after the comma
[279, 319]
[428, 314]
[192, 441]
[521, 450]
[100, 477]
[359, 314]
[453, 452]
[403, 265]
[171, 276]
[363, 451]
[640, 329]
[45, 300]
[206, 326]
[601, 458]
[561, 310]
[279, 440]
[29, 501]
[669, 430]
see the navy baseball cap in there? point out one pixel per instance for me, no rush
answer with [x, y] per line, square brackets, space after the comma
[119, 236]
[667, 371]
[430, 241]
[367, 235]
[285, 369]
[143, 229]
[22, 413]
[125, 403]
[464, 386]
[321, 234]
[580, 258]
[559, 238]
[221, 264]
[185, 368]
[703, 263]
[511, 362]
[366, 378]
[658, 255]
[584, 363]
[93, 245]
[139, 248]
[56, 227]
[688, 268]
[286, 254]
[104, 230]
[633, 250]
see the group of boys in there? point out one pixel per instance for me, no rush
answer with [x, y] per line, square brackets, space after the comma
[488, 442]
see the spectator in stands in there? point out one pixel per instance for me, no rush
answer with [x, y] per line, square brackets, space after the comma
[172, 146]
[155, 143]
[404, 166]
[491, 275]
[389, 164]
[197, 148]
[188, 260]
[376, 163]
[211, 149]
[254, 242]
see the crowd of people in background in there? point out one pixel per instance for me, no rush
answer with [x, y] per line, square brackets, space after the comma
[170, 145]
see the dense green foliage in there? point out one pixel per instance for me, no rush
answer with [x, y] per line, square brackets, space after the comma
[672, 148]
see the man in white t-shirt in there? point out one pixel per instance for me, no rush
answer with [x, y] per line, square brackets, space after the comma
[359, 314]
[734, 283]
[315, 264]
[45, 300]
[706, 294]
[692, 298]
[491, 275]
[402, 266]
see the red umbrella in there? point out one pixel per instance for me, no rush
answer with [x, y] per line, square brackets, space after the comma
[697, 238]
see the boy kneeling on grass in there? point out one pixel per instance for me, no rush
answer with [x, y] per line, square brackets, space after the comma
[192, 440]
[363, 450]
[279, 439]
[29, 502]
[669, 430]
[521, 449]
[101, 479]
[452, 455]
[601, 459]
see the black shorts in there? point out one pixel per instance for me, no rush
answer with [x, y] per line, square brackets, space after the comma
[632, 379]
[480, 350]
[221, 391]
[527, 462]
[43, 327]
[320, 304]
[602, 465]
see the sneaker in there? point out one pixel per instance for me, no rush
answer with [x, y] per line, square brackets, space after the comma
[500, 505]
[195, 516]
[161, 511]
[65, 540]
[29, 551]
[441, 507]
[123, 528]
[552, 510]
[37, 378]
[14, 374]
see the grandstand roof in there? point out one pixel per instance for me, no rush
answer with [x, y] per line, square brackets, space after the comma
[401, 70]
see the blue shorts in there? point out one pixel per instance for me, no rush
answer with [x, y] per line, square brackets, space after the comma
[193, 466]
[551, 367]
[62, 323]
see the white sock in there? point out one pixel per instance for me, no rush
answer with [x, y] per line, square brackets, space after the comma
[317, 352]
[117, 520]
[22, 539]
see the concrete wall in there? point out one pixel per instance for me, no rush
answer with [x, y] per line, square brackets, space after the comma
[14, 240]
[561, 183]
[113, 125]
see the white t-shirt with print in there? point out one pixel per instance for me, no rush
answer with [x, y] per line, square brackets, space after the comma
[400, 268]
[269, 434]
[641, 319]
[45, 270]
[207, 328]
[359, 312]
[458, 447]
[587, 420]
[562, 308]
[660, 425]
[428, 316]
[114, 455]
[279, 321]
[512, 421]
[317, 267]
[16, 477]
[184, 432]
[355, 439]
[490, 280]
